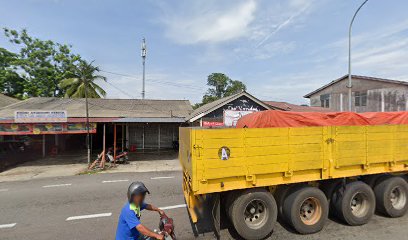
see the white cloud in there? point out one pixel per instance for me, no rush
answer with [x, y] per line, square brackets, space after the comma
[380, 52]
[293, 11]
[209, 23]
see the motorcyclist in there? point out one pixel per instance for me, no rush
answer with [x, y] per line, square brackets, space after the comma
[129, 226]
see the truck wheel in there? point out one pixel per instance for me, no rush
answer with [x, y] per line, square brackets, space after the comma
[280, 196]
[329, 187]
[254, 214]
[356, 205]
[306, 210]
[229, 202]
[391, 195]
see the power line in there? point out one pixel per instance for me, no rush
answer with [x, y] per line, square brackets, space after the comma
[192, 87]
[120, 90]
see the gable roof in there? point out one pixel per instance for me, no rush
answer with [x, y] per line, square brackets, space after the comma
[6, 100]
[209, 107]
[295, 108]
[104, 108]
[355, 77]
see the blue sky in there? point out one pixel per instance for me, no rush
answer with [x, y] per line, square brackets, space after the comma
[281, 49]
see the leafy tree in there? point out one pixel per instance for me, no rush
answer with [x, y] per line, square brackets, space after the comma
[11, 83]
[82, 84]
[220, 85]
[42, 64]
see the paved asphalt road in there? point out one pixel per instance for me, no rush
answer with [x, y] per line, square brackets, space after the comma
[40, 209]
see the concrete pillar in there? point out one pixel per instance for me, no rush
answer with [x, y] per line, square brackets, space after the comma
[341, 102]
[382, 101]
[406, 104]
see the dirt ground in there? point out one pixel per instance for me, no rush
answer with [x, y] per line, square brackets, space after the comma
[70, 164]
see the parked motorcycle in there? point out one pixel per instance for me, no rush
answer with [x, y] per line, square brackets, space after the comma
[121, 157]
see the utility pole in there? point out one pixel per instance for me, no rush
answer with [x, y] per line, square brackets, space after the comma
[349, 86]
[143, 54]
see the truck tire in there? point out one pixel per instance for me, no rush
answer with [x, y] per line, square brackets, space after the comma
[372, 180]
[229, 202]
[281, 194]
[356, 204]
[329, 187]
[306, 210]
[254, 214]
[392, 196]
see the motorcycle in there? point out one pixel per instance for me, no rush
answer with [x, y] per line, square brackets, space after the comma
[121, 157]
[166, 227]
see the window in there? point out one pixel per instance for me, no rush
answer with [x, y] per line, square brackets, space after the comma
[325, 100]
[360, 99]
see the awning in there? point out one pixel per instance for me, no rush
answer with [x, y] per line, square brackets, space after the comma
[150, 120]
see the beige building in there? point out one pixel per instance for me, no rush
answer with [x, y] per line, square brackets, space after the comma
[369, 94]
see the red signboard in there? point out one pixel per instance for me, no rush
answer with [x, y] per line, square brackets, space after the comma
[45, 128]
[212, 124]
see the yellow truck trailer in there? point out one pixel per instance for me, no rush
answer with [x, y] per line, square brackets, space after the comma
[296, 174]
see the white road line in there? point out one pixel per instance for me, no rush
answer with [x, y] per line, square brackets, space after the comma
[113, 181]
[57, 185]
[10, 225]
[154, 178]
[3, 190]
[173, 207]
[89, 216]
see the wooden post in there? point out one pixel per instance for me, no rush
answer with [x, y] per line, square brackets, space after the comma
[43, 145]
[103, 146]
[158, 146]
[127, 136]
[114, 143]
[123, 137]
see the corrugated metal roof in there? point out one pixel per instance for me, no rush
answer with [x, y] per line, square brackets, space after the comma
[295, 108]
[6, 100]
[209, 107]
[104, 108]
[150, 120]
[356, 77]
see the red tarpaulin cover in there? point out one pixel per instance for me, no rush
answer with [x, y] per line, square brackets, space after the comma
[275, 118]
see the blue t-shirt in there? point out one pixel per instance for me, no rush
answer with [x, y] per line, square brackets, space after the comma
[129, 219]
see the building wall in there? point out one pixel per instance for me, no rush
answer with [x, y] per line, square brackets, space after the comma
[381, 96]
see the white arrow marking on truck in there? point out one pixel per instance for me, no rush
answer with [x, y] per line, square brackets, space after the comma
[10, 225]
[155, 178]
[89, 216]
[57, 185]
[114, 181]
[173, 207]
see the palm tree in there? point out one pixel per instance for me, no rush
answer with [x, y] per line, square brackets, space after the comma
[83, 86]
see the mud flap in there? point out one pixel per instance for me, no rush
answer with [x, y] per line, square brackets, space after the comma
[216, 214]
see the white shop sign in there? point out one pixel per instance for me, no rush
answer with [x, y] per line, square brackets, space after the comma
[39, 116]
